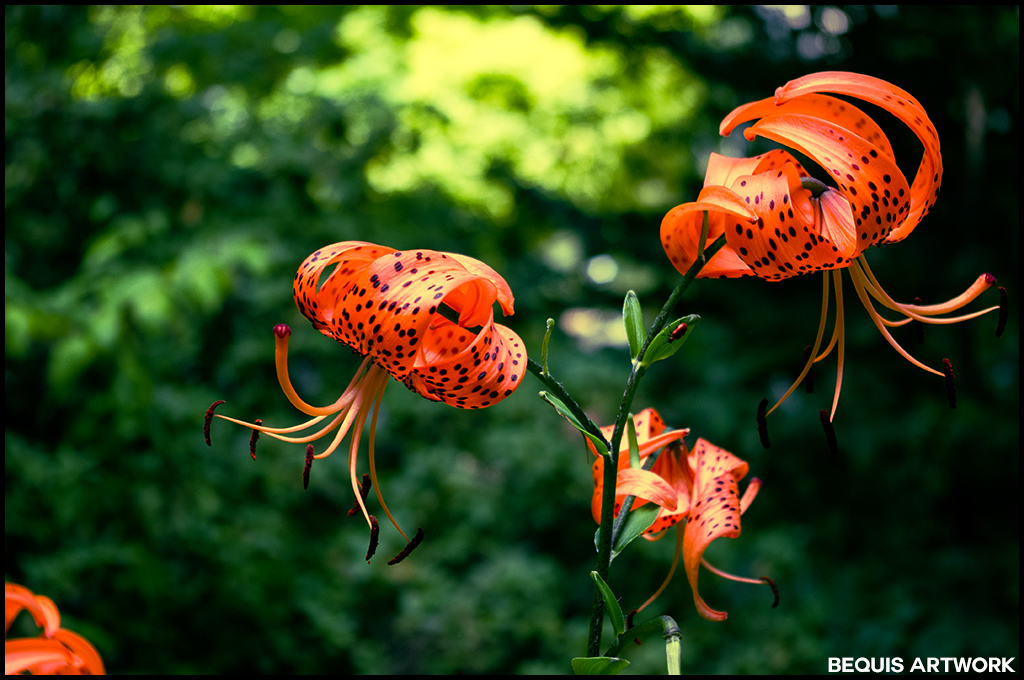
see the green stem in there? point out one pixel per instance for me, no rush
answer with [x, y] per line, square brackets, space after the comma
[611, 465]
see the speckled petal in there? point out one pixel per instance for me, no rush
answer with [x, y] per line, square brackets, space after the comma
[877, 190]
[928, 180]
[680, 232]
[785, 240]
[714, 513]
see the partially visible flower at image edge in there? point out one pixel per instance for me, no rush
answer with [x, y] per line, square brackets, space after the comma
[390, 306]
[697, 491]
[57, 651]
[779, 222]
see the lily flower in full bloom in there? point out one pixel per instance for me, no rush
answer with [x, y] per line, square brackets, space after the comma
[699, 486]
[424, 317]
[57, 651]
[780, 223]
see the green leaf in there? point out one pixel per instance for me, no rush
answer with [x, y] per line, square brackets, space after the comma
[634, 447]
[610, 603]
[637, 521]
[598, 665]
[633, 318]
[564, 411]
[662, 346]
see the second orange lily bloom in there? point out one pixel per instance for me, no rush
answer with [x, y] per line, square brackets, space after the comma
[779, 222]
[699, 486]
[393, 307]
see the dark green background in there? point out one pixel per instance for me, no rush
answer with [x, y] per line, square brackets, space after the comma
[150, 247]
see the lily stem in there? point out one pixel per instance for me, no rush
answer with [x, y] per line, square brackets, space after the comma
[611, 464]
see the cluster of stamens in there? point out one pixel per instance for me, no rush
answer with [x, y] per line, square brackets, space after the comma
[349, 412]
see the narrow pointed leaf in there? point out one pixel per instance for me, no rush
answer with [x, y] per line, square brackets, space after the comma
[611, 604]
[663, 345]
[598, 665]
[633, 318]
[634, 448]
[564, 411]
[636, 523]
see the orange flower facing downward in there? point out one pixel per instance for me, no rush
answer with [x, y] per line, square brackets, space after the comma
[699, 486]
[56, 651]
[390, 306]
[779, 223]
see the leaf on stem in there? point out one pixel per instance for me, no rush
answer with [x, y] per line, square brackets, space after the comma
[611, 604]
[665, 344]
[633, 319]
[564, 411]
[598, 665]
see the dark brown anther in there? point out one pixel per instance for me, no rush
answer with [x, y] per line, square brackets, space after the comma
[830, 433]
[281, 330]
[1004, 311]
[253, 439]
[364, 490]
[775, 590]
[677, 332]
[629, 624]
[918, 326]
[374, 536]
[809, 378]
[416, 540]
[947, 368]
[209, 419]
[762, 423]
[309, 465]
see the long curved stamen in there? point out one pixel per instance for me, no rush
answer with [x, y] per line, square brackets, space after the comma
[672, 571]
[841, 334]
[814, 349]
[763, 581]
[281, 333]
[922, 312]
[373, 383]
[831, 343]
[858, 284]
[373, 467]
[274, 431]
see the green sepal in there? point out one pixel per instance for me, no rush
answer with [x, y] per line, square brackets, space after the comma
[564, 411]
[611, 604]
[598, 665]
[660, 347]
[633, 318]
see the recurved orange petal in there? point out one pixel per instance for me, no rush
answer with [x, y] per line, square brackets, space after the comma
[784, 241]
[900, 103]
[714, 512]
[680, 232]
[870, 180]
[319, 303]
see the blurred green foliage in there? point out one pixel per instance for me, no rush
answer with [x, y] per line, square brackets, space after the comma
[167, 168]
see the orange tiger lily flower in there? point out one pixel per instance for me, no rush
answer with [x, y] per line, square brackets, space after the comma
[388, 306]
[56, 651]
[779, 223]
[699, 486]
